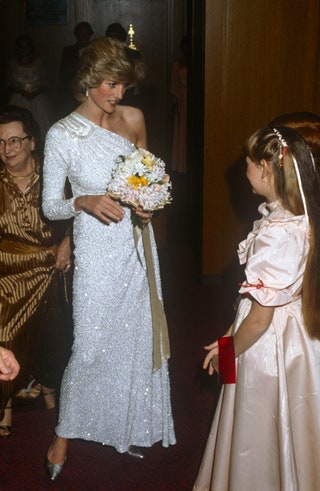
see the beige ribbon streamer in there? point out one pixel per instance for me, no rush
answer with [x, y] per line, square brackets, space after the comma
[159, 321]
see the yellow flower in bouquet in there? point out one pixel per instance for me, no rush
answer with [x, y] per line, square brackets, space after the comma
[148, 161]
[137, 181]
[140, 179]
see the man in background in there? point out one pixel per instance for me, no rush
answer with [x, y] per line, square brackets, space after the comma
[66, 102]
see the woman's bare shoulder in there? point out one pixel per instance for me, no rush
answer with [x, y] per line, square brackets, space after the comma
[131, 113]
[133, 125]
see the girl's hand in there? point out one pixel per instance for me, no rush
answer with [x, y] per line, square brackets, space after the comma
[211, 361]
[63, 258]
[102, 207]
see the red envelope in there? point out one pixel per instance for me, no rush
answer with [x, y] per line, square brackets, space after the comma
[227, 361]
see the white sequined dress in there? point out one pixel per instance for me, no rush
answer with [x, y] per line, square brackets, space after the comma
[109, 393]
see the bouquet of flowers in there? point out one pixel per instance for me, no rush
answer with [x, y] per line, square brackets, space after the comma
[139, 179]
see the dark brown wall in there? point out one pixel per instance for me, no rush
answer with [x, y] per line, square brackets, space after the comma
[261, 60]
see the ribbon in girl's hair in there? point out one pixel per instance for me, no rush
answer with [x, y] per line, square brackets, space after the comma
[283, 144]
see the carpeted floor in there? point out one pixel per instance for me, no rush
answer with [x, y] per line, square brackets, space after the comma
[197, 314]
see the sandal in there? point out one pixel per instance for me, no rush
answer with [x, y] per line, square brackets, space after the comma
[6, 429]
[27, 395]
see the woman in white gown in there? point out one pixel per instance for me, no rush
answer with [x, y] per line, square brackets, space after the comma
[266, 430]
[111, 392]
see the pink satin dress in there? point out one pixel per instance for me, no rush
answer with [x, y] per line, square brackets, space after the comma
[265, 434]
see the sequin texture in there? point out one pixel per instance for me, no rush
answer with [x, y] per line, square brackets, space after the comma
[109, 393]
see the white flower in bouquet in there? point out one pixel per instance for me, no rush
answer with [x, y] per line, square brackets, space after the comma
[140, 179]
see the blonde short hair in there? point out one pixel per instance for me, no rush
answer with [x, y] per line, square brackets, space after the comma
[107, 58]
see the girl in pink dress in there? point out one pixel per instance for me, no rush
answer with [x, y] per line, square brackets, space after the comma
[266, 430]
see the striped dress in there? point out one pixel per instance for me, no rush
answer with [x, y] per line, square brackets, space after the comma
[31, 322]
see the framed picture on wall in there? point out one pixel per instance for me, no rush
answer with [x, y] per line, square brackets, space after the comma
[46, 12]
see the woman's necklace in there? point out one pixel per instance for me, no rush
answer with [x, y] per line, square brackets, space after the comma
[27, 176]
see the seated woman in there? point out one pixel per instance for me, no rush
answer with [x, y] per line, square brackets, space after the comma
[33, 253]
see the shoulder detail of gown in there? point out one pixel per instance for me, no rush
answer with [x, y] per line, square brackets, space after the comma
[275, 254]
[274, 219]
[76, 125]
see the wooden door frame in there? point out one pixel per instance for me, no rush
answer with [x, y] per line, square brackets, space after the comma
[195, 130]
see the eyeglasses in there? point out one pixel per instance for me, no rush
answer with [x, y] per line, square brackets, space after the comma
[14, 143]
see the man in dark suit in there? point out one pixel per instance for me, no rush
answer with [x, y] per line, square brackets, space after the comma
[69, 61]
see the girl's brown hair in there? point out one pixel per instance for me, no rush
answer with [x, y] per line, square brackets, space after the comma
[308, 125]
[264, 144]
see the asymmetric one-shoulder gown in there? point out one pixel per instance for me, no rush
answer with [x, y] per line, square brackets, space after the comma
[110, 393]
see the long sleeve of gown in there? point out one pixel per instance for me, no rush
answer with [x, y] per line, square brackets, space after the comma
[55, 171]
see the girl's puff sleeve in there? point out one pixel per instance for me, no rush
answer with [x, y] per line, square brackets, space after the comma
[55, 173]
[275, 263]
